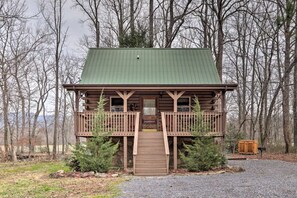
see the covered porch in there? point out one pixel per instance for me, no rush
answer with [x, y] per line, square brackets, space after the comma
[132, 111]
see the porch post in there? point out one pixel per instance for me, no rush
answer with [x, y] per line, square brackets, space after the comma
[77, 96]
[223, 106]
[125, 153]
[125, 96]
[175, 96]
[175, 152]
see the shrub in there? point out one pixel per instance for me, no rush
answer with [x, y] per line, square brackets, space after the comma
[202, 154]
[98, 152]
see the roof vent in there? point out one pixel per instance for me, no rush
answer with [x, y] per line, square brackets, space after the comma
[137, 56]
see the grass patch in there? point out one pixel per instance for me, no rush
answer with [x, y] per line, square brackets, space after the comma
[21, 167]
[28, 188]
[31, 179]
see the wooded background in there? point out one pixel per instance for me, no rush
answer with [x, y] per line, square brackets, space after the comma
[253, 44]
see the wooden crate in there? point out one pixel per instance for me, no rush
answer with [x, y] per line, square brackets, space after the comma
[248, 147]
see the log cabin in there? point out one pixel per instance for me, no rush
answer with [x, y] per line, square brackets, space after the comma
[150, 94]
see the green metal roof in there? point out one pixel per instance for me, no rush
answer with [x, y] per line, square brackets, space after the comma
[148, 66]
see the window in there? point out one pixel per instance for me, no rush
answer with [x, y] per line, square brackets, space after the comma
[183, 104]
[149, 106]
[116, 104]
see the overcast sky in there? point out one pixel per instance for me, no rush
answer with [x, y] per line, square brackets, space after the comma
[72, 17]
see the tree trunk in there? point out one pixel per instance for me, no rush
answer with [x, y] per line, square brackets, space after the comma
[5, 114]
[151, 23]
[132, 19]
[63, 123]
[56, 101]
[23, 122]
[46, 130]
[59, 44]
[286, 83]
[220, 38]
[12, 147]
[204, 20]
[169, 31]
[295, 85]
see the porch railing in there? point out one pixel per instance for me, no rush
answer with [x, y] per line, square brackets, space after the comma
[186, 122]
[165, 138]
[135, 143]
[119, 123]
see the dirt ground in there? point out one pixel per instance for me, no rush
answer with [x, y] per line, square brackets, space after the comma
[290, 157]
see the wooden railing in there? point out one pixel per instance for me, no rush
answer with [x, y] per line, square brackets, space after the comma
[165, 138]
[178, 123]
[135, 143]
[119, 123]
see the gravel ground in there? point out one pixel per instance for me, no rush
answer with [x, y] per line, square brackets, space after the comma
[262, 178]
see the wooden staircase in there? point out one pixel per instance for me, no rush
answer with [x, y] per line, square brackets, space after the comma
[151, 158]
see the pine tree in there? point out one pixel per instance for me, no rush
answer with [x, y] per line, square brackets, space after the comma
[98, 153]
[202, 154]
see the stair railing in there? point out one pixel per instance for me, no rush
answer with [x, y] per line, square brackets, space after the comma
[135, 145]
[165, 138]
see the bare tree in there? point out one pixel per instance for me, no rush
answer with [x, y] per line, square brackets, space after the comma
[223, 9]
[52, 12]
[286, 13]
[42, 88]
[10, 14]
[91, 8]
[173, 15]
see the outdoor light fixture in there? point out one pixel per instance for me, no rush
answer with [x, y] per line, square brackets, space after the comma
[161, 94]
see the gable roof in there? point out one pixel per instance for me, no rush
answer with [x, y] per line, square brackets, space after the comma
[149, 66]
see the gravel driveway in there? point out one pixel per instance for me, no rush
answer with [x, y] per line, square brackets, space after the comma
[262, 178]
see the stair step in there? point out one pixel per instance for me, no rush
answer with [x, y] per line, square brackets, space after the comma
[150, 144]
[150, 174]
[151, 153]
[150, 170]
[151, 165]
[153, 148]
[151, 157]
[147, 145]
[150, 136]
[150, 161]
[159, 150]
[151, 141]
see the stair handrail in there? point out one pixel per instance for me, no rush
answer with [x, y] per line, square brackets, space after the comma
[135, 145]
[165, 138]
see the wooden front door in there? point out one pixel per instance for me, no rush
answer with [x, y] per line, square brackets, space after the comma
[149, 113]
